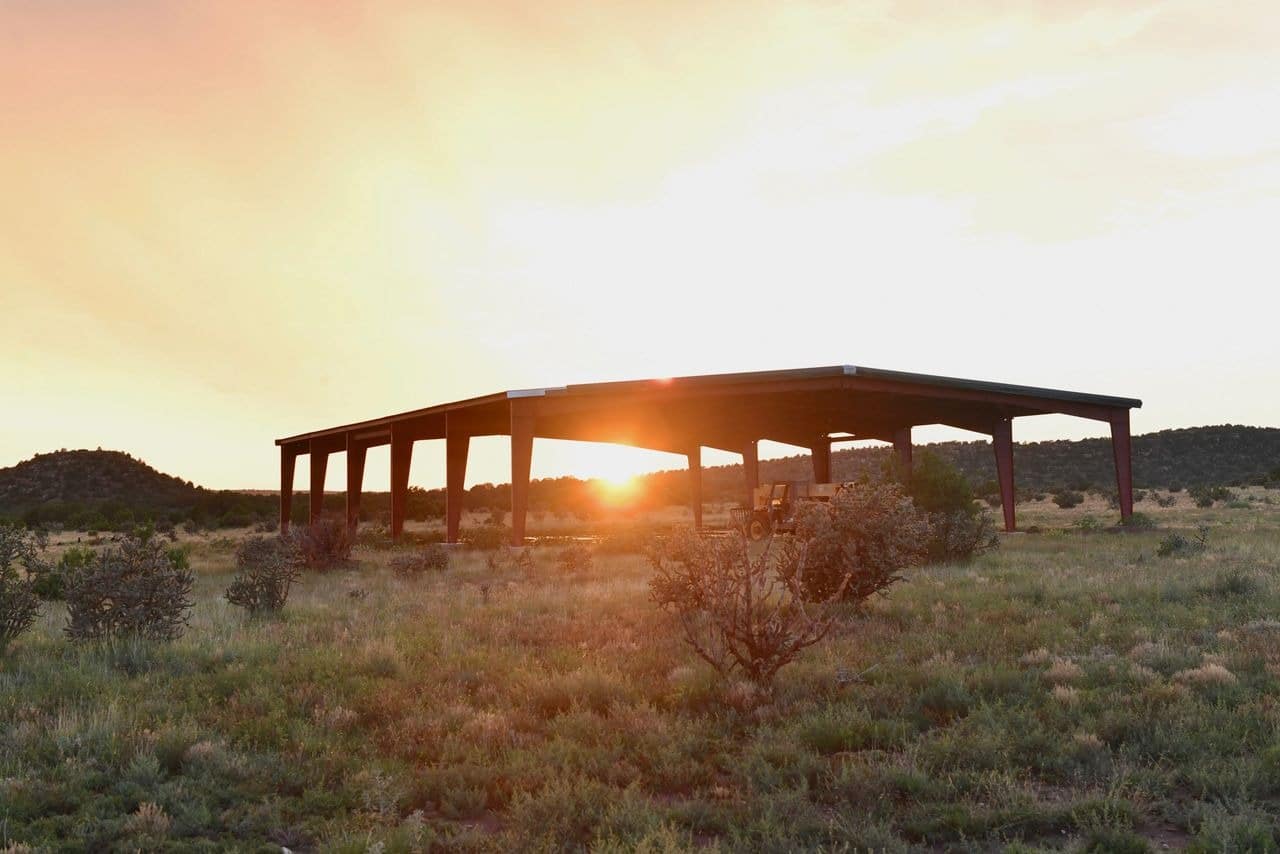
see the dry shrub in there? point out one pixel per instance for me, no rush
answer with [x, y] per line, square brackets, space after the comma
[1040, 655]
[855, 545]
[325, 543]
[1177, 545]
[19, 599]
[138, 590]
[1207, 674]
[738, 612]
[487, 537]
[150, 819]
[431, 558]
[1063, 670]
[518, 558]
[575, 558]
[266, 568]
[960, 536]
[1064, 694]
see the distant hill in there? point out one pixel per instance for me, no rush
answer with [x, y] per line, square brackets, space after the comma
[1193, 456]
[112, 490]
[90, 476]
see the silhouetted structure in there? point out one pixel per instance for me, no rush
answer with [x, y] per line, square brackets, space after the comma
[810, 408]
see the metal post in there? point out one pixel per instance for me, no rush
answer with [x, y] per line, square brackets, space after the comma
[401, 459]
[319, 464]
[1002, 442]
[820, 453]
[1121, 450]
[695, 485]
[456, 445]
[355, 480]
[288, 458]
[521, 459]
[751, 470]
[902, 446]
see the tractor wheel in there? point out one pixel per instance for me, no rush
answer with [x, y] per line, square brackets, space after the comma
[759, 528]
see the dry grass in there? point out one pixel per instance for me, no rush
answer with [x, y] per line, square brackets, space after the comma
[1068, 690]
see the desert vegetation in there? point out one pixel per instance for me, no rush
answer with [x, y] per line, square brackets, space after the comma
[1074, 689]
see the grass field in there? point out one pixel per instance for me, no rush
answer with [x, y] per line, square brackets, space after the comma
[1072, 690]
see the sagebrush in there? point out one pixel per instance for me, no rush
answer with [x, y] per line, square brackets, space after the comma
[137, 590]
[433, 557]
[1180, 545]
[575, 558]
[857, 544]
[266, 568]
[19, 601]
[326, 543]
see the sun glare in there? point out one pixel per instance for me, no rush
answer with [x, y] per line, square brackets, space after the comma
[617, 491]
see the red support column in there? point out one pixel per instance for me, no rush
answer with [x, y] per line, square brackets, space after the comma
[401, 457]
[1002, 442]
[521, 459]
[288, 458]
[319, 465]
[902, 446]
[821, 457]
[751, 470]
[1120, 449]
[456, 445]
[695, 485]
[355, 480]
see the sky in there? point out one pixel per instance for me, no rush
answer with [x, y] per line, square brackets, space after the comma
[226, 222]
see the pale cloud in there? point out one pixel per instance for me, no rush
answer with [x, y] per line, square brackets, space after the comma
[1235, 121]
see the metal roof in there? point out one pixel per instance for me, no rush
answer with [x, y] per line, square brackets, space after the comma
[726, 382]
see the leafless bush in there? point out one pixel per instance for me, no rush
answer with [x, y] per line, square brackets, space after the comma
[137, 589]
[857, 543]
[431, 558]
[739, 612]
[19, 601]
[266, 568]
[325, 543]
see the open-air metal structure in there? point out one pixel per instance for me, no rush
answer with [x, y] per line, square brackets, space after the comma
[811, 408]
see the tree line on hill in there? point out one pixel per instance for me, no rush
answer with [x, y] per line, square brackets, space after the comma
[109, 490]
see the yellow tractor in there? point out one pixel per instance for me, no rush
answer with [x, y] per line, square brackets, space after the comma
[774, 505]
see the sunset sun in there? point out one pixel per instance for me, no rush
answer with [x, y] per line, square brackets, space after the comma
[618, 490]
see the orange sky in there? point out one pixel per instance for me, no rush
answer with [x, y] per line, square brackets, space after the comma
[223, 222]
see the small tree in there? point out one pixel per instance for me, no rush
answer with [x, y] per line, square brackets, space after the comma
[19, 603]
[858, 542]
[137, 589]
[738, 612]
[266, 568]
[959, 528]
